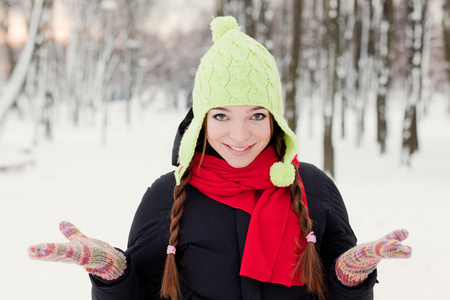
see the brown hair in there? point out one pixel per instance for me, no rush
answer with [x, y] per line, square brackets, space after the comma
[170, 286]
[308, 266]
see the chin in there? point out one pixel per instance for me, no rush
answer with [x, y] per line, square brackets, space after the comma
[240, 164]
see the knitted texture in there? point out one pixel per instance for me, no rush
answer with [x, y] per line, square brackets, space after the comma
[95, 256]
[355, 265]
[237, 70]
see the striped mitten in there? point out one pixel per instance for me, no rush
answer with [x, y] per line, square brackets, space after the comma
[355, 265]
[95, 256]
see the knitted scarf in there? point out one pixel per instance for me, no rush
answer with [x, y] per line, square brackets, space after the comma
[270, 251]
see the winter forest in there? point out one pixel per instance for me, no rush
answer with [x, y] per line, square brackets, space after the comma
[88, 87]
[335, 58]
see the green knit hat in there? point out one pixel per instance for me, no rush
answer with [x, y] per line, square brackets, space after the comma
[237, 70]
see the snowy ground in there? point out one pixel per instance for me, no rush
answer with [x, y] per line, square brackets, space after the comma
[98, 188]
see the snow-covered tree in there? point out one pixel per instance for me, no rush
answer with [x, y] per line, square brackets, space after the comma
[415, 30]
[332, 11]
[365, 68]
[384, 71]
[293, 63]
[5, 9]
[15, 82]
[446, 30]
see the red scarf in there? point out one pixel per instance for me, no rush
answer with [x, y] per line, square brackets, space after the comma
[270, 252]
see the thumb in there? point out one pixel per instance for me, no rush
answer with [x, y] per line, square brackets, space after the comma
[71, 232]
[399, 235]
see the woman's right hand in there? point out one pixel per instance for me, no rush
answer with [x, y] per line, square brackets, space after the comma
[97, 257]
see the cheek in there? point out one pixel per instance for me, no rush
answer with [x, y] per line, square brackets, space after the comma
[213, 133]
[263, 132]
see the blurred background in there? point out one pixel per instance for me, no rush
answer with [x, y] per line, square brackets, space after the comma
[91, 93]
[335, 58]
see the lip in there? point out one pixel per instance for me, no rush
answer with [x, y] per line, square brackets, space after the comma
[238, 150]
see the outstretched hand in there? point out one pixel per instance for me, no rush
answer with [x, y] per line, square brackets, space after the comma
[355, 265]
[97, 257]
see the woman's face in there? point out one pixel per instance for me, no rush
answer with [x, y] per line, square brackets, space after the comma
[238, 133]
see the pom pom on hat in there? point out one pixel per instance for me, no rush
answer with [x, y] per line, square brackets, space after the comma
[219, 26]
[282, 174]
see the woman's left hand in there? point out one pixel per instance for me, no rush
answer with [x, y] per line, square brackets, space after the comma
[355, 265]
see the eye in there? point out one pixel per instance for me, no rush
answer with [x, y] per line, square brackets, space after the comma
[259, 116]
[220, 117]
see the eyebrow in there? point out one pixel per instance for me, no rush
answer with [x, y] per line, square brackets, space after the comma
[226, 109]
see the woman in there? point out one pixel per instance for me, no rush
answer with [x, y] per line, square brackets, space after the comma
[247, 221]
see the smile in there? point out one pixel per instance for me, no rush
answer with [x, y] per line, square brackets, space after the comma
[238, 149]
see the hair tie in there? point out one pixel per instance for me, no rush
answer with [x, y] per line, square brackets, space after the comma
[311, 238]
[171, 249]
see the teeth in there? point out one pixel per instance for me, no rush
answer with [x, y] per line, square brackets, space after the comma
[237, 148]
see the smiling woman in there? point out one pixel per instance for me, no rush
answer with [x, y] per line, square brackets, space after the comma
[247, 219]
[238, 133]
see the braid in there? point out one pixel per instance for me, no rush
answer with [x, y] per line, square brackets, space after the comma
[308, 266]
[170, 287]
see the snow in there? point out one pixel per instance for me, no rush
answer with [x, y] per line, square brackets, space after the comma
[98, 188]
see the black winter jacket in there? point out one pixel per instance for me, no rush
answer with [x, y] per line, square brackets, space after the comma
[211, 244]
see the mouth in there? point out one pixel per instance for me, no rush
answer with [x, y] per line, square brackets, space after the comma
[239, 148]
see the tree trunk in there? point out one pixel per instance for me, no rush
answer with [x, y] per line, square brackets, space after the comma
[357, 30]
[414, 34]
[17, 78]
[291, 81]
[345, 66]
[132, 46]
[235, 8]
[364, 70]
[446, 30]
[249, 22]
[314, 61]
[45, 94]
[332, 10]
[265, 25]
[410, 138]
[282, 47]
[219, 8]
[5, 7]
[384, 74]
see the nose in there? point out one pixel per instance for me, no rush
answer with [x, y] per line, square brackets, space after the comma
[239, 131]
